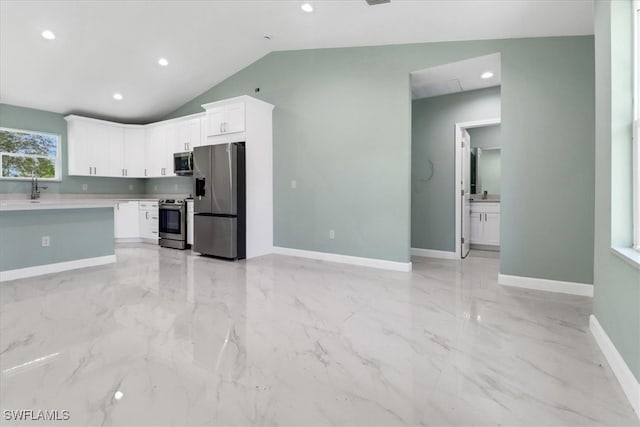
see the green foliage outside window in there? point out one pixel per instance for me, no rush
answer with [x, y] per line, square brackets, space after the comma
[24, 154]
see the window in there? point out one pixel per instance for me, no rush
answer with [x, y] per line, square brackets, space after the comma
[24, 154]
[636, 127]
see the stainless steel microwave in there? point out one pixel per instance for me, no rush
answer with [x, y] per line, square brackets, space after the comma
[183, 163]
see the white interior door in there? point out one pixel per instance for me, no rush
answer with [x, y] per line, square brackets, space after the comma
[466, 192]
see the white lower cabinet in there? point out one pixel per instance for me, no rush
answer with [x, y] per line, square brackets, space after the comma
[126, 220]
[485, 223]
[148, 220]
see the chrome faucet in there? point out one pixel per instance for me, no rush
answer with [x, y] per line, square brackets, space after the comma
[35, 190]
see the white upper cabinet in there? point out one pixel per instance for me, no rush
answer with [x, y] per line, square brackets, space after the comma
[189, 135]
[114, 146]
[102, 148]
[157, 151]
[89, 145]
[134, 152]
[226, 119]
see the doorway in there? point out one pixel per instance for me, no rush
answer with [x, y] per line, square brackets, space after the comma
[447, 101]
[463, 180]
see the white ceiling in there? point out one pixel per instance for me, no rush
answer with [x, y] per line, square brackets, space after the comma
[456, 77]
[104, 47]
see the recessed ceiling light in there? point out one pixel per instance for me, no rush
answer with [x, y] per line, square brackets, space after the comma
[118, 96]
[487, 75]
[48, 34]
[118, 395]
[307, 7]
[163, 62]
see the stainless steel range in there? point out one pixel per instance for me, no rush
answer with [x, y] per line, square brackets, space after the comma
[173, 223]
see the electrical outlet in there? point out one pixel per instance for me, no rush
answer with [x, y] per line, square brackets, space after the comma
[46, 241]
[175, 187]
[155, 188]
[84, 187]
[332, 234]
[294, 184]
[130, 187]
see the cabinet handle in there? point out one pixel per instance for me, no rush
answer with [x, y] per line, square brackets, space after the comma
[221, 123]
[225, 126]
[480, 216]
[485, 217]
[146, 215]
[89, 170]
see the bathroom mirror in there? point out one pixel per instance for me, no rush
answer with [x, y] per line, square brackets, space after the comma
[485, 170]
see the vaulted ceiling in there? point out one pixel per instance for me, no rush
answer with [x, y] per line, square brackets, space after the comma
[107, 47]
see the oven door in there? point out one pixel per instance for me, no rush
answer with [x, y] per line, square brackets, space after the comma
[172, 222]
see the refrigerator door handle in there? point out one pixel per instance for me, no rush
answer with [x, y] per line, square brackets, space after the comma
[200, 187]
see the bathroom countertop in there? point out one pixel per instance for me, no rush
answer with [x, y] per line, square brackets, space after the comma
[485, 200]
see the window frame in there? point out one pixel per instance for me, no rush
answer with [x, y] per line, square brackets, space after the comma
[636, 125]
[57, 162]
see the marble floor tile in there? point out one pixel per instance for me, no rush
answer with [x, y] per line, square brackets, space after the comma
[164, 337]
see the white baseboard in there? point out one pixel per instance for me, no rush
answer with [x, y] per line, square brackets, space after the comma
[344, 259]
[128, 240]
[432, 253]
[39, 270]
[625, 377]
[572, 288]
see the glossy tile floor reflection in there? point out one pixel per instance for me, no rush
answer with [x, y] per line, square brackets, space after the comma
[166, 338]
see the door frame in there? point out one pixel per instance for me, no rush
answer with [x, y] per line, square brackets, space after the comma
[459, 127]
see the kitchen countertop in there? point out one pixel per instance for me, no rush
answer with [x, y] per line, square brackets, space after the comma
[32, 205]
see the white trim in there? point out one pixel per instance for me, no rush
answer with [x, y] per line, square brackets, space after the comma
[636, 127]
[572, 288]
[39, 270]
[457, 139]
[625, 377]
[345, 259]
[432, 253]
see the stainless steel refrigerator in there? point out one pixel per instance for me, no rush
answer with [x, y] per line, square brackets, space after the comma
[219, 204]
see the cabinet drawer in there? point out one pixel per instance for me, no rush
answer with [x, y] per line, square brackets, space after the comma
[485, 207]
[148, 205]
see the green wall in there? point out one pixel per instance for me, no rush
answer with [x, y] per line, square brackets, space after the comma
[342, 129]
[485, 137]
[432, 195]
[45, 121]
[616, 283]
[74, 234]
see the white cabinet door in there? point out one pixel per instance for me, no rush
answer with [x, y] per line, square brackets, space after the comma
[126, 220]
[190, 135]
[115, 148]
[156, 151]
[234, 118]
[477, 224]
[99, 149]
[134, 152]
[215, 121]
[491, 228]
[148, 220]
[78, 148]
[226, 119]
